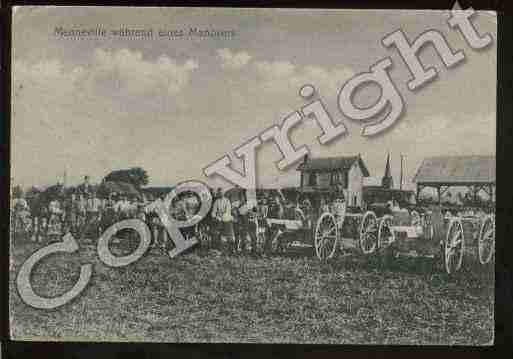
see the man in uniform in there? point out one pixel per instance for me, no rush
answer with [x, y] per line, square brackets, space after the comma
[70, 213]
[93, 208]
[123, 208]
[21, 214]
[222, 213]
[81, 208]
[238, 226]
[55, 213]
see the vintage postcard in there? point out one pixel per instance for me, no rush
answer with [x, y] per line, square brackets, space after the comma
[253, 175]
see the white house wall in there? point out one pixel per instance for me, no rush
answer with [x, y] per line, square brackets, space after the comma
[355, 186]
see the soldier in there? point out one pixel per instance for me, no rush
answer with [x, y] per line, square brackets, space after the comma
[238, 226]
[277, 208]
[70, 213]
[81, 208]
[93, 214]
[324, 205]
[85, 187]
[339, 209]
[93, 208]
[221, 212]
[251, 225]
[109, 212]
[55, 214]
[21, 214]
[123, 207]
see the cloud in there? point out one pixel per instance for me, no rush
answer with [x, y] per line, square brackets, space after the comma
[135, 75]
[122, 71]
[231, 60]
[49, 73]
[276, 69]
[282, 76]
[89, 118]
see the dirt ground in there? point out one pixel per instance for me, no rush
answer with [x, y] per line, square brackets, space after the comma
[202, 296]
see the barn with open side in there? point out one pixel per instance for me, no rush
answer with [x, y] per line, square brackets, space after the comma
[477, 173]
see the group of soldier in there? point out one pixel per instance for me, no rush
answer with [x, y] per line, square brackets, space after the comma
[234, 225]
[230, 226]
[76, 212]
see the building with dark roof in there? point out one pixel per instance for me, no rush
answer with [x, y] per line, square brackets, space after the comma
[345, 173]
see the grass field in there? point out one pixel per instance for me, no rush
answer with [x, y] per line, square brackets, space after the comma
[203, 297]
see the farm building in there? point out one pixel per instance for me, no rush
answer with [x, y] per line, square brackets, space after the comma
[476, 173]
[345, 173]
[373, 195]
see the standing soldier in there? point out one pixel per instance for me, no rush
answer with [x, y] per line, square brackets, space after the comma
[339, 210]
[93, 208]
[238, 228]
[185, 211]
[81, 212]
[109, 213]
[21, 214]
[54, 222]
[159, 232]
[85, 187]
[69, 212]
[123, 208]
[251, 222]
[222, 213]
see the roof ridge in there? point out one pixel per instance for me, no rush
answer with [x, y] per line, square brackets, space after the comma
[460, 156]
[331, 157]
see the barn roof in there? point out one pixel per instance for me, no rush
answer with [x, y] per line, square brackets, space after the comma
[332, 163]
[456, 169]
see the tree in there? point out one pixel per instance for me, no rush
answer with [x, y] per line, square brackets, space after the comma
[136, 176]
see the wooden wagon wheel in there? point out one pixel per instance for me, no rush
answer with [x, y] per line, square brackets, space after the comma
[385, 233]
[368, 233]
[454, 246]
[326, 235]
[486, 241]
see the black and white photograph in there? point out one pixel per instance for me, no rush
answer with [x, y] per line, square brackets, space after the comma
[252, 175]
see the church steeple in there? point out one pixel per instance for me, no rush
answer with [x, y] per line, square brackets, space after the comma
[387, 181]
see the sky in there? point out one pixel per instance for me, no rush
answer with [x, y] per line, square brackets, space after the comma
[173, 106]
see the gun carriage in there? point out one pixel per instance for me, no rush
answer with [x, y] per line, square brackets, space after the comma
[446, 230]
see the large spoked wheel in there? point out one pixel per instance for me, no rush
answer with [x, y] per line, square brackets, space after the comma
[486, 241]
[385, 233]
[326, 234]
[453, 247]
[369, 233]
